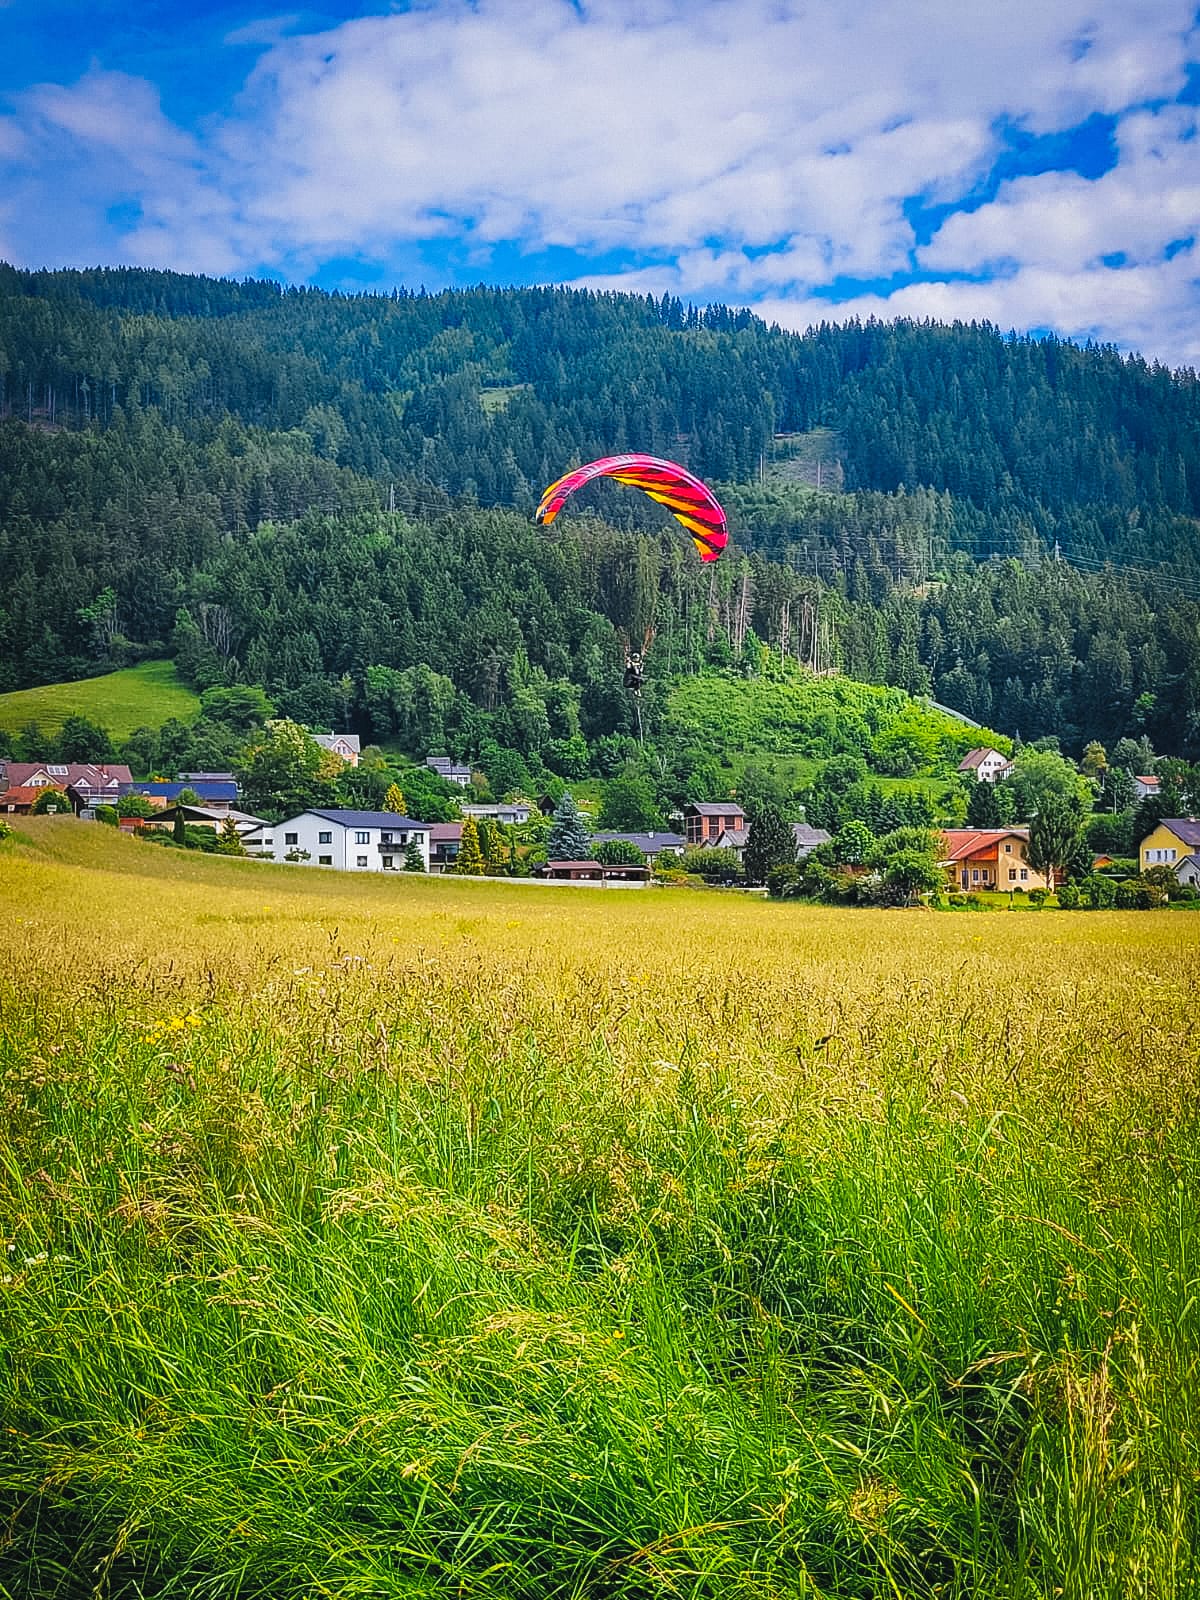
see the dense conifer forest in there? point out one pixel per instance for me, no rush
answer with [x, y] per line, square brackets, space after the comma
[305, 491]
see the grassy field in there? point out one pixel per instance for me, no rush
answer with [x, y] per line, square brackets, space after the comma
[145, 696]
[385, 1239]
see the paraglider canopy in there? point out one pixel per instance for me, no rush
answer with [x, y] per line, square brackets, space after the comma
[688, 500]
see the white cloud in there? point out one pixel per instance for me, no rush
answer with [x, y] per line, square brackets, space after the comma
[751, 147]
[1149, 308]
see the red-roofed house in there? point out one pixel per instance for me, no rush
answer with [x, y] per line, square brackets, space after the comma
[20, 799]
[95, 785]
[989, 858]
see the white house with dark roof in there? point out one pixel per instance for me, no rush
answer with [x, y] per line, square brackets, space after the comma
[350, 841]
[452, 771]
[985, 766]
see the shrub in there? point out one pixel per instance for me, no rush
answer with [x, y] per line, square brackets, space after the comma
[1069, 897]
[784, 883]
[619, 853]
[705, 861]
[1135, 894]
[1037, 898]
[1100, 892]
[108, 815]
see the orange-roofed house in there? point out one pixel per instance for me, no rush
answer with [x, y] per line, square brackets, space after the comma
[989, 858]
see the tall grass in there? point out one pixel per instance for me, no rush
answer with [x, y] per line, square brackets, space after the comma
[451, 1239]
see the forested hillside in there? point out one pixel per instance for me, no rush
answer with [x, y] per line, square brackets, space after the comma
[205, 468]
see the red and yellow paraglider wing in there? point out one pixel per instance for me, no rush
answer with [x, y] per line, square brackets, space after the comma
[688, 500]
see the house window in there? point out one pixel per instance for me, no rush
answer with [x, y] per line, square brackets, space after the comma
[1024, 873]
[418, 838]
[1012, 874]
[362, 838]
[269, 843]
[362, 860]
[974, 874]
[1008, 849]
[291, 838]
[385, 838]
[387, 863]
[325, 838]
[324, 861]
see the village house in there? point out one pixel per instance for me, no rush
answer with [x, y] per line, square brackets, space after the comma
[346, 745]
[1169, 843]
[452, 771]
[732, 839]
[1145, 785]
[989, 858]
[808, 838]
[1188, 870]
[216, 794]
[652, 845]
[208, 817]
[445, 841]
[510, 812]
[94, 785]
[351, 841]
[21, 799]
[594, 872]
[705, 822]
[985, 766]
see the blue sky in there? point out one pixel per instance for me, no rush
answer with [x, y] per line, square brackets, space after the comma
[1036, 165]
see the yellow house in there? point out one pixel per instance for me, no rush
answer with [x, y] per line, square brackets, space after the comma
[989, 858]
[1174, 838]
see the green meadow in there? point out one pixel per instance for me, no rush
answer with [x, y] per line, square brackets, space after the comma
[444, 1238]
[144, 696]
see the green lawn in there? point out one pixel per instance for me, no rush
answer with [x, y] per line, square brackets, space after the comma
[145, 696]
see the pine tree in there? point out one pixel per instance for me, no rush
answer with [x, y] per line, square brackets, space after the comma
[413, 859]
[569, 837]
[230, 842]
[394, 799]
[178, 831]
[771, 843]
[470, 857]
[982, 808]
[496, 854]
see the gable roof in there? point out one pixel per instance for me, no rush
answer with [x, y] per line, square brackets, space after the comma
[330, 741]
[808, 837]
[962, 843]
[445, 832]
[1185, 828]
[712, 808]
[976, 758]
[87, 773]
[732, 838]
